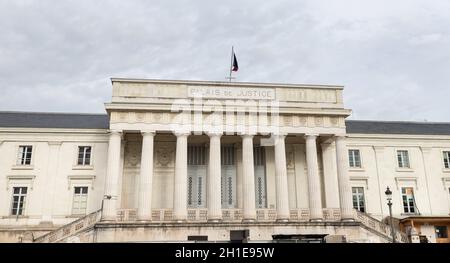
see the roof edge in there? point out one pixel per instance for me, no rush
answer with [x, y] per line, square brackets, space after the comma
[226, 83]
[401, 122]
[56, 113]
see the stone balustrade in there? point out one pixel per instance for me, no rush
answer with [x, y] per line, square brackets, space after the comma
[229, 215]
[70, 229]
[379, 226]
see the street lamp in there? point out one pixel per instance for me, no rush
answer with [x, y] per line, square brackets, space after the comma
[389, 199]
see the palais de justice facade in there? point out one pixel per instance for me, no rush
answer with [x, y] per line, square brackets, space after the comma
[220, 161]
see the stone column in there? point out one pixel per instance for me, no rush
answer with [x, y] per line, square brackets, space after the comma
[180, 182]
[330, 175]
[281, 183]
[248, 179]
[146, 178]
[109, 212]
[345, 191]
[214, 179]
[315, 198]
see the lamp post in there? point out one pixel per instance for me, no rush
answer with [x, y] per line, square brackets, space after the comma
[389, 199]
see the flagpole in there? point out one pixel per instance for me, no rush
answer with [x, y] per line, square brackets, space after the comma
[231, 62]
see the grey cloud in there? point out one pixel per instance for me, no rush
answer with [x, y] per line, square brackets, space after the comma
[392, 57]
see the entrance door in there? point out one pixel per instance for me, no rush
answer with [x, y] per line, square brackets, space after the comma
[228, 176]
[197, 167]
[259, 157]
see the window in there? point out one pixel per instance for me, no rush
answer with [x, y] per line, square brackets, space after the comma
[441, 231]
[259, 162]
[447, 159]
[18, 200]
[409, 204]
[80, 200]
[228, 176]
[24, 157]
[84, 155]
[354, 158]
[197, 170]
[403, 159]
[358, 199]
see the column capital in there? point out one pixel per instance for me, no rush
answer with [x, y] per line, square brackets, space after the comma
[115, 132]
[148, 132]
[247, 135]
[340, 136]
[181, 133]
[279, 134]
[214, 133]
[311, 136]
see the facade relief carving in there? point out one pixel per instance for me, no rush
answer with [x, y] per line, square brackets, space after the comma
[334, 121]
[123, 116]
[133, 153]
[140, 116]
[318, 121]
[164, 156]
[157, 117]
[302, 121]
[287, 121]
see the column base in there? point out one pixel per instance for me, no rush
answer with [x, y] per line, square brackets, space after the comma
[316, 220]
[248, 220]
[214, 220]
[348, 220]
[179, 221]
[282, 220]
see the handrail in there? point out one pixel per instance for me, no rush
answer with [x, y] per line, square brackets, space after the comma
[70, 229]
[380, 227]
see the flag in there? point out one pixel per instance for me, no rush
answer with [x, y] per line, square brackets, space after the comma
[235, 63]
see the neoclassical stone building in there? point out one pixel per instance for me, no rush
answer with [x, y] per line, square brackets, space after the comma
[221, 161]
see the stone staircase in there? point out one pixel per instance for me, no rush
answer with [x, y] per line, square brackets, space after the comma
[379, 227]
[71, 229]
[88, 222]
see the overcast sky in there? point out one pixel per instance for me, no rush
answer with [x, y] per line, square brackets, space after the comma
[393, 57]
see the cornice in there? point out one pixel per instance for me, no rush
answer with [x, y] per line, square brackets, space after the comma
[224, 83]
